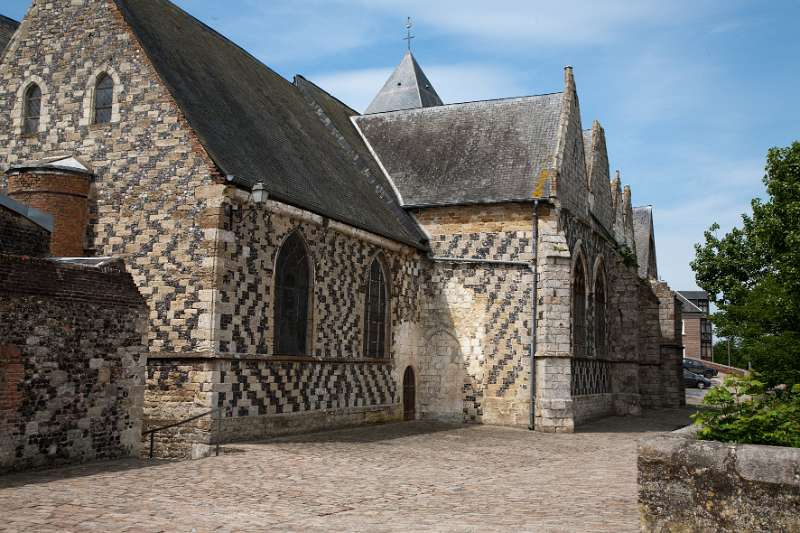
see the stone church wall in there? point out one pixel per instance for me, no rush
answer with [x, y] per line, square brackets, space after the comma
[147, 163]
[474, 361]
[256, 393]
[72, 359]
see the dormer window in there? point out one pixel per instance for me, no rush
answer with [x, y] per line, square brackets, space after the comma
[33, 109]
[103, 99]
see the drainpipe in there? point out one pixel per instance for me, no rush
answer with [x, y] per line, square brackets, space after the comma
[534, 265]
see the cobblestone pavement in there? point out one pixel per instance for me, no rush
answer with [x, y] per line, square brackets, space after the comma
[418, 476]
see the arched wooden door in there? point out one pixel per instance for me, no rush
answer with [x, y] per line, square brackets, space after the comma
[409, 395]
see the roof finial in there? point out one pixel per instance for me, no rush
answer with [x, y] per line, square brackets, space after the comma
[408, 36]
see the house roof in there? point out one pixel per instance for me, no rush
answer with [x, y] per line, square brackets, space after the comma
[40, 218]
[687, 306]
[7, 28]
[694, 295]
[475, 152]
[407, 88]
[645, 241]
[254, 124]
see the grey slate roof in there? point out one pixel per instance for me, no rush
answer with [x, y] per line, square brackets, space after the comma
[7, 28]
[687, 307]
[475, 152]
[694, 295]
[254, 124]
[337, 115]
[40, 218]
[406, 88]
[644, 238]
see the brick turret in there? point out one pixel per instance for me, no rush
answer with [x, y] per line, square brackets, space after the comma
[61, 189]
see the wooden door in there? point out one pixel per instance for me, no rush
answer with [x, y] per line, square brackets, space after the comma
[409, 395]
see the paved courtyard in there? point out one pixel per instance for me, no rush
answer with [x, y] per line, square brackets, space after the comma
[418, 476]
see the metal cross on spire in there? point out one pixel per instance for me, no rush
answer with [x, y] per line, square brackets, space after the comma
[408, 36]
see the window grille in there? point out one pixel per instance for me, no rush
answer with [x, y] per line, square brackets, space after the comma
[376, 311]
[590, 376]
[600, 341]
[292, 289]
[579, 310]
[33, 109]
[103, 99]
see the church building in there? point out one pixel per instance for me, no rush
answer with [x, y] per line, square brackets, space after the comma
[308, 267]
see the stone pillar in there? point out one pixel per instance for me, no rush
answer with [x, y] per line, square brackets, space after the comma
[554, 405]
[61, 193]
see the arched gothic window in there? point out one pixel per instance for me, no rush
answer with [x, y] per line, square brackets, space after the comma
[579, 310]
[377, 303]
[292, 289]
[103, 99]
[600, 340]
[32, 109]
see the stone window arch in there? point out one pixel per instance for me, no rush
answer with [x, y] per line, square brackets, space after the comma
[600, 297]
[30, 112]
[32, 107]
[293, 289]
[103, 99]
[376, 310]
[579, 287]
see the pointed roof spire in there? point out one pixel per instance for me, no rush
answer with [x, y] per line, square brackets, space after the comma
[406, 88]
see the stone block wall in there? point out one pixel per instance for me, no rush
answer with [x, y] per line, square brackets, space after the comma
[474, 359]
[691, 485]
[19, 235]
[148, 167]
[72, 359]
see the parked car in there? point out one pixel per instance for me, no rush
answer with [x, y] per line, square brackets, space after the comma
[699, 368]
[690, 379]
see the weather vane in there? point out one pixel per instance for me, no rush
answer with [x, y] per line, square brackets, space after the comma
[408, 36]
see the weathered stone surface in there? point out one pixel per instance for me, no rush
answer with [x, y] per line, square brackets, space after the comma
[72, 360]
[691, 485]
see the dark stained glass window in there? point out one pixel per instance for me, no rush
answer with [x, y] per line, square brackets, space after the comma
[579, 310]
[376, 311]
[33, 109]
[292, 288]
[103, 99]
[600, 341]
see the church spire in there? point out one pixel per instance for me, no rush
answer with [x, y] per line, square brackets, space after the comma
[407, 87]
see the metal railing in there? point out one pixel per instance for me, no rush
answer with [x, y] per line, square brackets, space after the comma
[152, 432]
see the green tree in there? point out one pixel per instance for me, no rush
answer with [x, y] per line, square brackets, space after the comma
[753, 274]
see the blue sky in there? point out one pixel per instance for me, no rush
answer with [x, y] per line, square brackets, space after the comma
[691, 93]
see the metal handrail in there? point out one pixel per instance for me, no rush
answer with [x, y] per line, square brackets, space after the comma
[152, 432]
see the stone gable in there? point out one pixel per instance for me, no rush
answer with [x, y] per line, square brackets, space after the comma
[147, 163]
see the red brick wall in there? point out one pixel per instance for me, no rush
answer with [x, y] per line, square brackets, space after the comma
[65, 196]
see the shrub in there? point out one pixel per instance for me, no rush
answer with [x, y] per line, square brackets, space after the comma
[744, 411]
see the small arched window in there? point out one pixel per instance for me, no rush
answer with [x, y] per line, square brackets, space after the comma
[103, 99]
[33, 109]
[579, 310]
[600, 340]
[377, 303]
[292, 289]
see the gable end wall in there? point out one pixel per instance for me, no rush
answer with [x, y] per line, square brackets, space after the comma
[146, 200]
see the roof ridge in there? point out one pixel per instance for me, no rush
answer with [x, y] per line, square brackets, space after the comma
[416, 69]
[453, 104]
